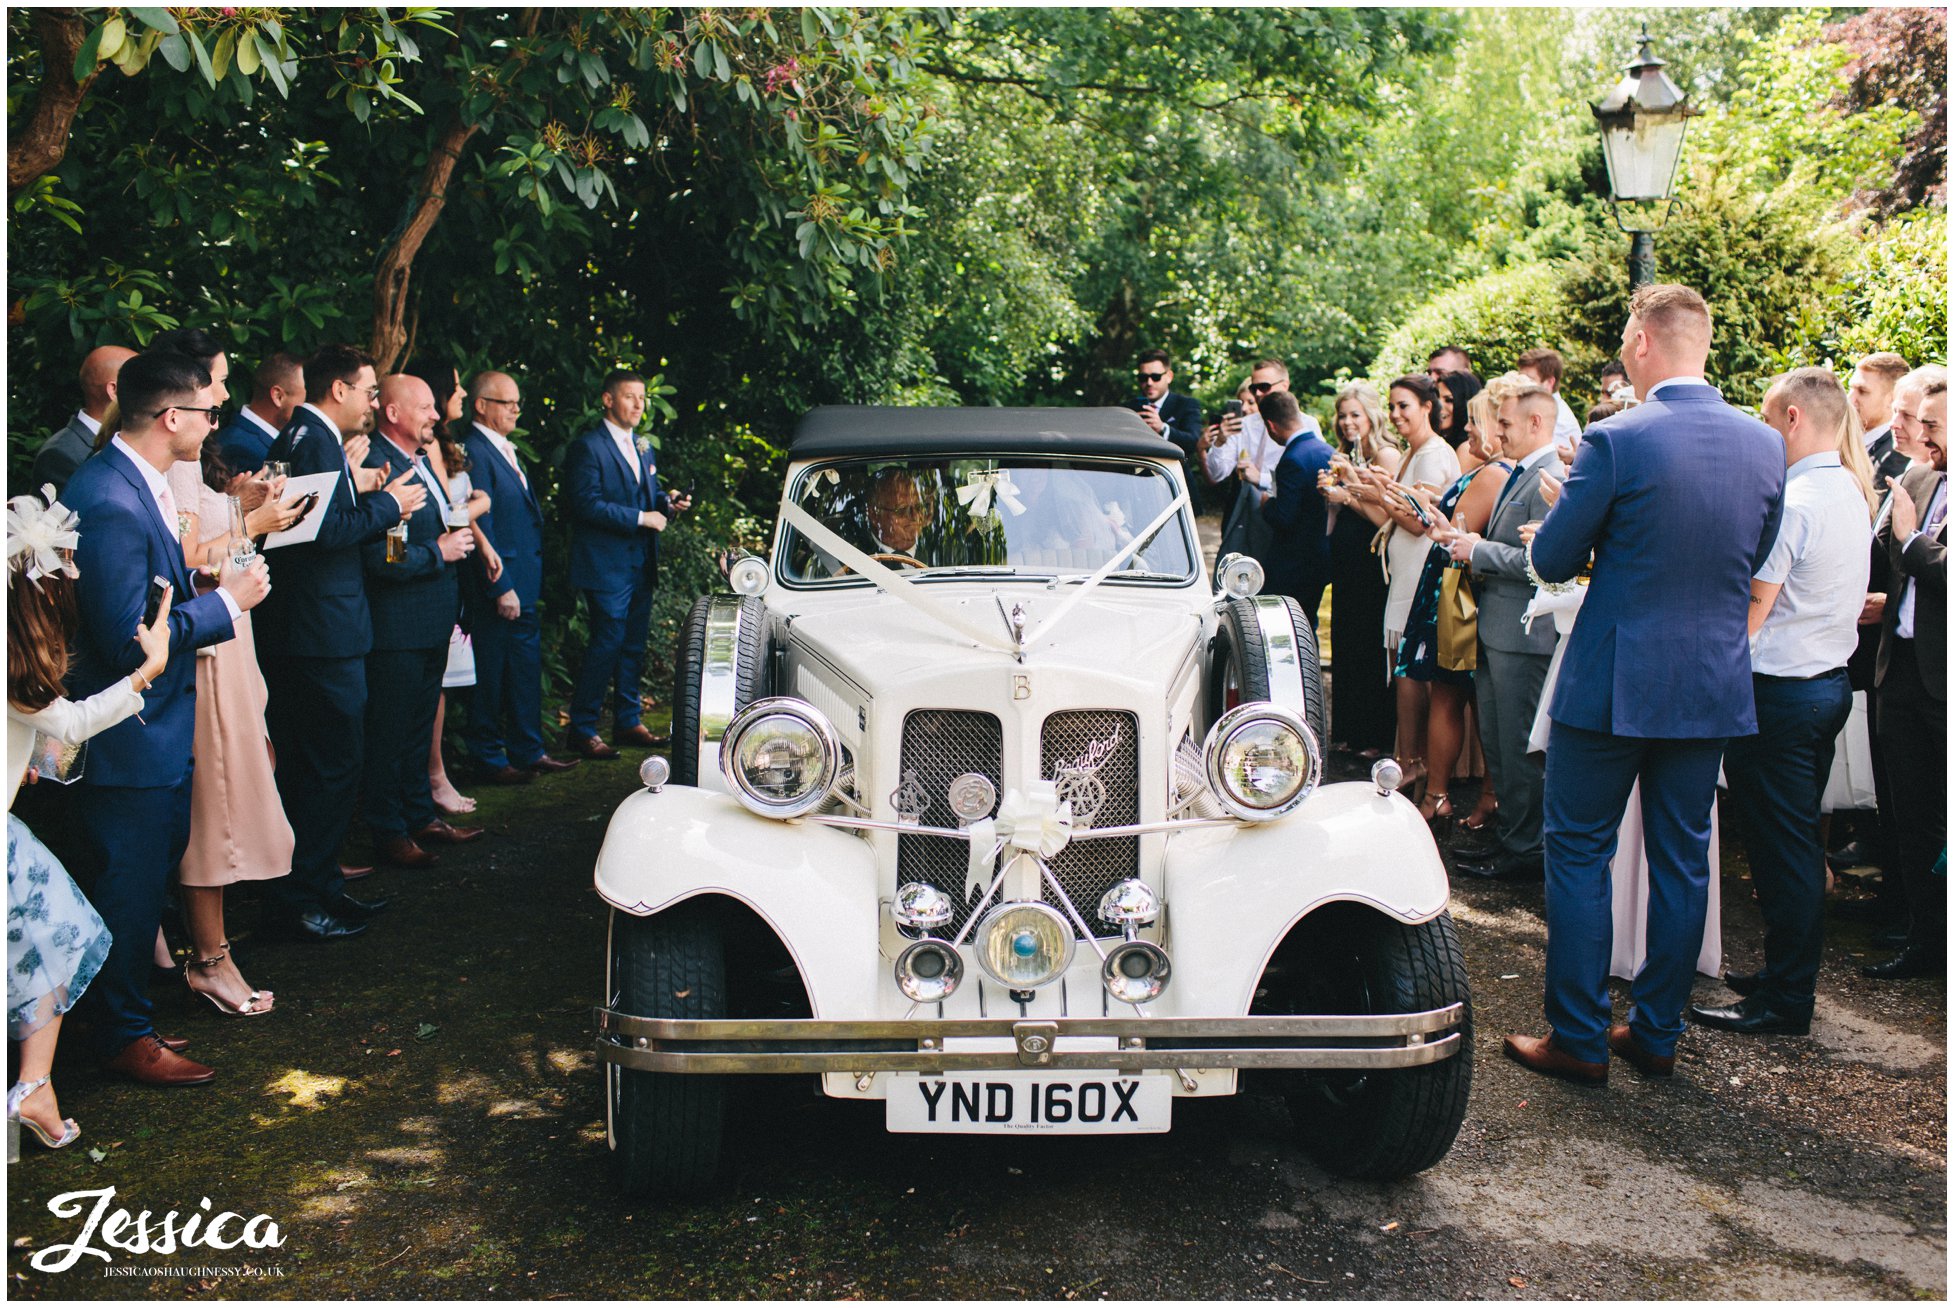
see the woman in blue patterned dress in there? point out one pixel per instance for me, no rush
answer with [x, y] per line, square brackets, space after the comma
[1467, 504]
[56, 942]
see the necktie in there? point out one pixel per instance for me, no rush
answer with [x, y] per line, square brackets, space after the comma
[508, 451]
[167, 501]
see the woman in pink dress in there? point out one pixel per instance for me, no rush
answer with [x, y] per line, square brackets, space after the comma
[238, 830]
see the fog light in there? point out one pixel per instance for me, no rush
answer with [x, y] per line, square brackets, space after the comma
[929, 971]
[921, 906]
[1129, 903]
[655, 772]
[1025, 945]
[1135, 972]
[1386, 775]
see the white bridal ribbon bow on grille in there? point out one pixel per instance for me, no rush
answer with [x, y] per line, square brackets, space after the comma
[980, 487]
[1035, 821]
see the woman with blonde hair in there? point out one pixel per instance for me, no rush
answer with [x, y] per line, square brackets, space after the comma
[1363, 716]
[56, 941]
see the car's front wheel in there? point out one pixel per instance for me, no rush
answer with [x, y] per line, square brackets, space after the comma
[667, 1127]
[1378, 1125]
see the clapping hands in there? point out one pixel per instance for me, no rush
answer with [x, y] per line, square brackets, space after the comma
[1550, 491]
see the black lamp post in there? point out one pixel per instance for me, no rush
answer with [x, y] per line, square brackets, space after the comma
[1642, 123]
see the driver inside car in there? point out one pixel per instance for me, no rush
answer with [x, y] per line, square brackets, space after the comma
[896, 512]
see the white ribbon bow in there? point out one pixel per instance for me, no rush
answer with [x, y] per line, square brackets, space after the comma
[980, 487]
[814, 480]
[1038, 823]
[37, 533]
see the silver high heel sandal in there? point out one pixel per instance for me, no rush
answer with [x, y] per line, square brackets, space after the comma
[18, 1096]
[257, 1005]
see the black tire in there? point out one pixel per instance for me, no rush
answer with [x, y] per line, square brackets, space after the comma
[667, 1127]
[1390, 1124]
[1238, 672]
[750, 679]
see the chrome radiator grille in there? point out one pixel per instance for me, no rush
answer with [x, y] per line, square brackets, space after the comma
[939, 745]
[1104, 746]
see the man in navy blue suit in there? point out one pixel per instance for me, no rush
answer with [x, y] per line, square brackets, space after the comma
[1678, 500]
[277, 390]
[1298, 562]
[133, 803]
[314, 637]
[500, 589]
[410, 590]
[611, 486]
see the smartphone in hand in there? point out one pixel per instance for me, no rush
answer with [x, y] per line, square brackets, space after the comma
[154, 601]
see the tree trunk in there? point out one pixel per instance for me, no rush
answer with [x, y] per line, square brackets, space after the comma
[389, 341]
[42, 143]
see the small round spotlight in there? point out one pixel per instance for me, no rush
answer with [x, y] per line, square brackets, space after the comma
[929, 971]
[655, 771]
[1240, 576]
[750, 575]
[1136, 971]
[920, 906]
[1129, 903]
[1386, 775]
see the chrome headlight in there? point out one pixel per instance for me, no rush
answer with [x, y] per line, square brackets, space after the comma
[750, 575]
[1238, 575]
[929, 971]
[1024, 945]
[1135, 972]
[781, 757]
[1262, 760]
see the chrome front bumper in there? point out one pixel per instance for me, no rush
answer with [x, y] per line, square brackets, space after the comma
[648, 1044]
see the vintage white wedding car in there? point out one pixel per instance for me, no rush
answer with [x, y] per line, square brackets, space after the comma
[987, 802]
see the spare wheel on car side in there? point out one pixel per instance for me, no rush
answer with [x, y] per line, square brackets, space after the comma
[722, 667]
[1265, 649]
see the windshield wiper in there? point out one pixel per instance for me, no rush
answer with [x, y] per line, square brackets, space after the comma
[980, 570]
[1136, 575]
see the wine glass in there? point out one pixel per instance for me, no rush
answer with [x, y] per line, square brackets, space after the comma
[459, 489]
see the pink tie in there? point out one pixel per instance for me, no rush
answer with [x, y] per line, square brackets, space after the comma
[171, 522]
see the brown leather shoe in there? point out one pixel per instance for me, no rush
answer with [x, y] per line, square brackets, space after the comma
[354, 873]
[401, 851]
[544, 763]
[639, 738]
[1541, 1054]
[441, 832]
[1622, 1041]
[175, 1044]
[506, 775]
[590, 747]
[148, 1060]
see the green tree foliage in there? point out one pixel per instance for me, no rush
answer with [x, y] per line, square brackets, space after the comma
[1895, 292]
[1493, 318]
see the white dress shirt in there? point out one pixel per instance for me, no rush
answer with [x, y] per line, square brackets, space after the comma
[251, 417]
[1929, 519]
[159, 487]
[1263, 451]
[627, 445]
[1567, 428]
[1673, 381]
[94, 427]
[1821, 562]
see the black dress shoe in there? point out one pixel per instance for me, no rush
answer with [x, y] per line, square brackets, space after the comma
[1743, 983]
[1482, 870]
[1852, 854]
[317, 924]
[1499, 869]
[1752, 1016]
[1473, 849]
[1907, 963]
[359, 910]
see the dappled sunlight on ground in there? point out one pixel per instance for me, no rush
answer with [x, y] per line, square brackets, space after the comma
[307, 1089]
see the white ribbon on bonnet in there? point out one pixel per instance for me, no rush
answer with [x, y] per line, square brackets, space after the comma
[1037, 822]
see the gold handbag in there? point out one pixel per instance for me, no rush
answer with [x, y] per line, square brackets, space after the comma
[1458, 622]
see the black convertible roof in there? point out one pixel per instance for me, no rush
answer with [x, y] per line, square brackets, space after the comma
[887, 430]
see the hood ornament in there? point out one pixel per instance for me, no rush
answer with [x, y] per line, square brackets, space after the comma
[910, 800]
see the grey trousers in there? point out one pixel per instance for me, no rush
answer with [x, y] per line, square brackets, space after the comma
[1508, 687]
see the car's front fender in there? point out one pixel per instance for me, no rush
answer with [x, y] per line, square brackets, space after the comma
[814, 885]
[1234, 892]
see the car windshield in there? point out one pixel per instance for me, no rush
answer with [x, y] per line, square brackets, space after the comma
[1044, 516]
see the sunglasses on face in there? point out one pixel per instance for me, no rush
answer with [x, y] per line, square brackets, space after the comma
[1260, 389]
[1150, 376]
[214, 414]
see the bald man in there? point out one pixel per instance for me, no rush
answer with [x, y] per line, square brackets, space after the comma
[410, 589]
[63, 452]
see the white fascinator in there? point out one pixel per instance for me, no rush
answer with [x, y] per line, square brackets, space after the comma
[40, 533]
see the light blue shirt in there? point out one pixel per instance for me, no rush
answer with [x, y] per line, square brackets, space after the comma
[1821, 562]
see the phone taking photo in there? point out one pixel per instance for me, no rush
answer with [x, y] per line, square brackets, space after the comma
[154, 602]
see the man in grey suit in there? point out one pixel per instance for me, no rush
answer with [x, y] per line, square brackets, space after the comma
[61, 453]
[1512, 661]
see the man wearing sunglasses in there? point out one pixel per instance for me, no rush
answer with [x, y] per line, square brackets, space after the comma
[1176, 417]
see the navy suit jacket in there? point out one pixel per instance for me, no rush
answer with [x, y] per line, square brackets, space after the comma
[1182, 415]
[317, 607]
[123, 544]
[413, 602]
[1298, 518]
[244, 444]
[1679, 498]
[513, 525]
[609, 551]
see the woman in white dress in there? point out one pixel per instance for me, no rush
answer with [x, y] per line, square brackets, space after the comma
[1404, 544]
[56, 941]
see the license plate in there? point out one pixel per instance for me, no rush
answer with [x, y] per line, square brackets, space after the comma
[1089, 1103]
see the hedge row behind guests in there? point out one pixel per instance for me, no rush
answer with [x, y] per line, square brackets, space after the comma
[133, 803]
[56, 941]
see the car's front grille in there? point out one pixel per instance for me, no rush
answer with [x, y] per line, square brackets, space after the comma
[1099, 748]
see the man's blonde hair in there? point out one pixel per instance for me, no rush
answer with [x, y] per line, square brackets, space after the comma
[1671, 312]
